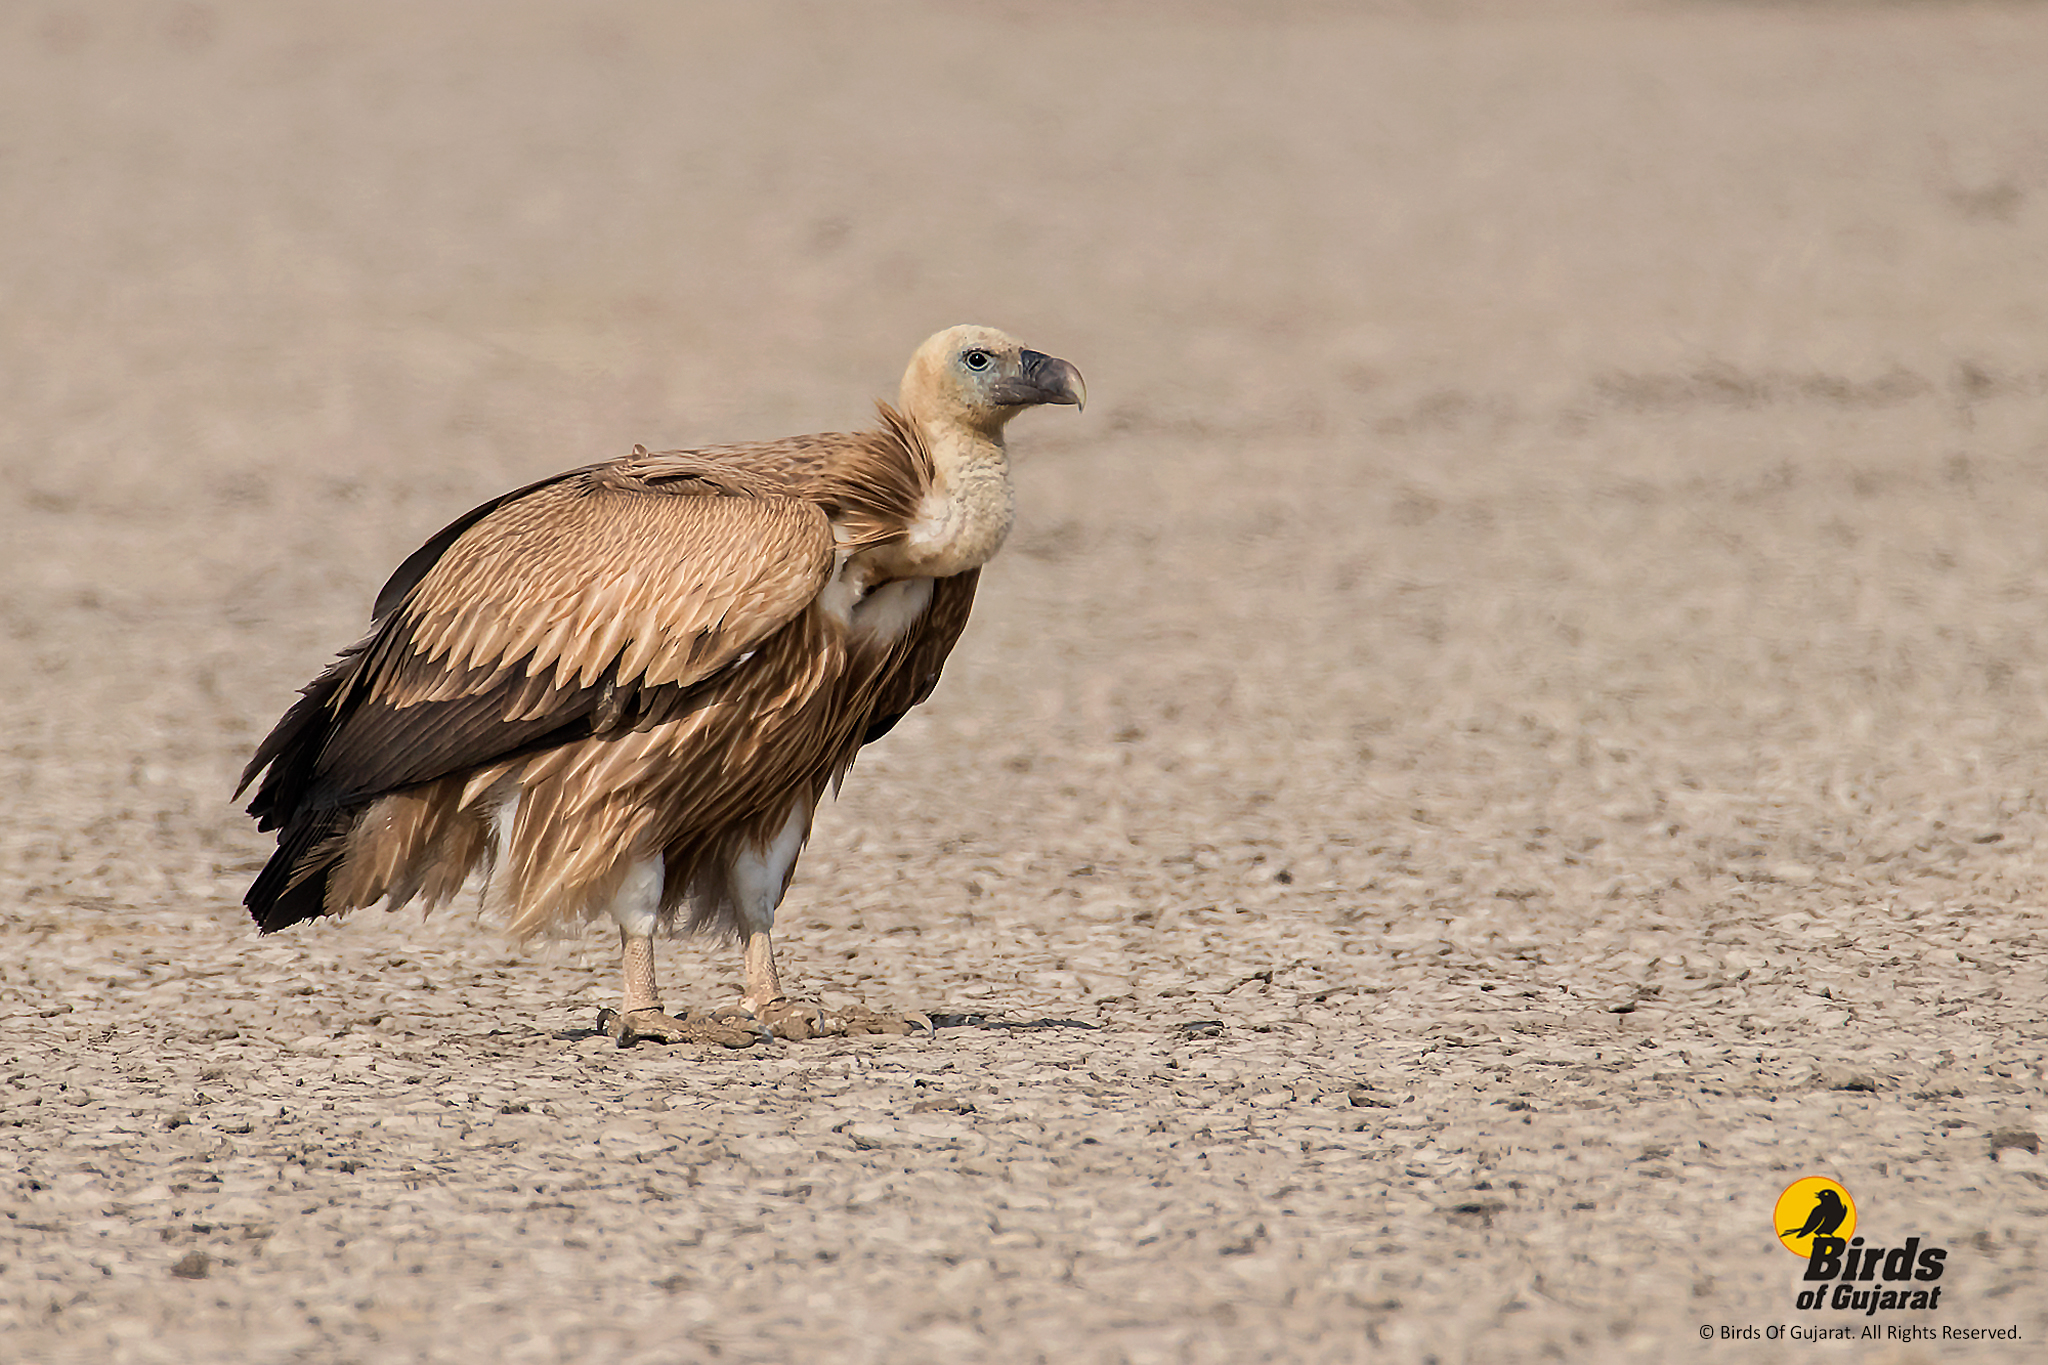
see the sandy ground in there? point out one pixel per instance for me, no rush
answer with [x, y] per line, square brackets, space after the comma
[1509, 731]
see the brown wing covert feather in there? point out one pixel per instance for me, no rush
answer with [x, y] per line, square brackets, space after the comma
[600, 575]
[575, 603]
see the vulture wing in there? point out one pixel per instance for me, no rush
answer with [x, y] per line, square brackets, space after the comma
[924, 653]
[553, 614]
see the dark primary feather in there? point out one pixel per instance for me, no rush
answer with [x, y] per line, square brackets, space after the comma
[286, 891]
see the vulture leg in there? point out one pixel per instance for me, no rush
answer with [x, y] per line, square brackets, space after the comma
[636, 909]
[758, 879]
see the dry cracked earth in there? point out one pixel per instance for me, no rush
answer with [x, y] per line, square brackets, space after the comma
[1509, 731]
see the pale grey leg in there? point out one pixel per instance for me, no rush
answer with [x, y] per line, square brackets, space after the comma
[758, 880]
[637, 911]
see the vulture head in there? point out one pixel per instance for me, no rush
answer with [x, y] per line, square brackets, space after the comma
[978, 378]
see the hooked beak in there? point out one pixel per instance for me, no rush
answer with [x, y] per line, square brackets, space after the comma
[1043, 379]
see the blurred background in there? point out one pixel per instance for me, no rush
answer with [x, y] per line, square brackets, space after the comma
[1462, 373]
[1562, 482]
[1398, 317]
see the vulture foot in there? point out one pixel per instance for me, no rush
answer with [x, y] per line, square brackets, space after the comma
[787, 1019]
[654, 1026]
[858, 1021]
[781, 1017]
[797, 1022]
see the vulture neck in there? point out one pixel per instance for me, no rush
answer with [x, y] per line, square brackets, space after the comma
[964, 515]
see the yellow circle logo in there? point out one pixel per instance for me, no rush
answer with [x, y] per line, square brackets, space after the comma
[1813, 1207]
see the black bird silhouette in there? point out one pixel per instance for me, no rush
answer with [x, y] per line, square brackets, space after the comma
[1828, 1213]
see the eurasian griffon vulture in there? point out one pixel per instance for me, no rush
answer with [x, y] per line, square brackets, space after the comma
[625, 689]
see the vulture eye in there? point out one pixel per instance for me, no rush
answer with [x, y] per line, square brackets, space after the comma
[975, 360]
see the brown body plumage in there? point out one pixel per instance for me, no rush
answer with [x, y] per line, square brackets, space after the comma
[628, 686]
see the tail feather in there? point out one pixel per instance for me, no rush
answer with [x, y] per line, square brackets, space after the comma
[293, 885]
[293, 746]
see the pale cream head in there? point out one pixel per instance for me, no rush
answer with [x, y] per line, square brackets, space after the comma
[979, 378]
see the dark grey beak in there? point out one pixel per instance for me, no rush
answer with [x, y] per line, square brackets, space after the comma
[1042, 379]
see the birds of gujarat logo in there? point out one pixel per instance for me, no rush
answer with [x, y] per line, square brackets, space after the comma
[1814, 1206]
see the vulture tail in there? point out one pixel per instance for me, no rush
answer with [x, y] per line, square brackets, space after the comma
[292, 748]
[293, 885]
